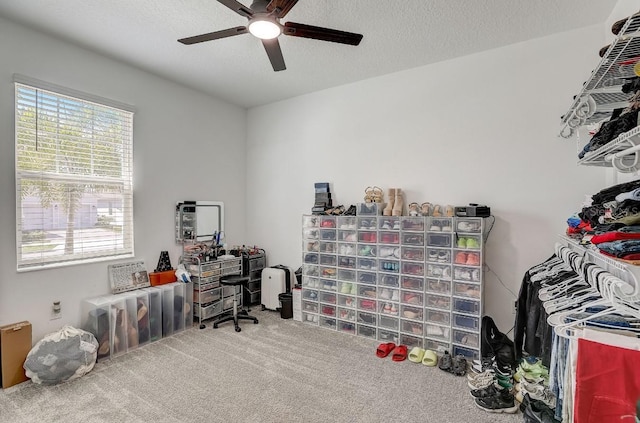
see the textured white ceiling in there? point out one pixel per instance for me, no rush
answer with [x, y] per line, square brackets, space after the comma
[398, 34]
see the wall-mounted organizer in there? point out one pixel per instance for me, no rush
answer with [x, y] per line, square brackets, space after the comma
[416, 281]
[610, 87]
[209, 298]
[123, 322]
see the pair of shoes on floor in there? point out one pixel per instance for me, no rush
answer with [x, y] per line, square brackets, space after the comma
[535, 411]
[397, 352]
[495, 399]
[455, 365]
[426, 357]
[536, 391]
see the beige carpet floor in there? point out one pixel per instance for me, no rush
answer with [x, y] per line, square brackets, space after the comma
[276, 371]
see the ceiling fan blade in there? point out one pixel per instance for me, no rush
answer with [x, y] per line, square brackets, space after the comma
[319, 33]
[237, 7]
[281, 7]
[214, 35]
[272, 47]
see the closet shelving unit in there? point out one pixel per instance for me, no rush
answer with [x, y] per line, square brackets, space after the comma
[601, 94]
[416, 281]
[625, 271]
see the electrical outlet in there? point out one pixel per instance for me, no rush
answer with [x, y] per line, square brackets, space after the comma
[56, 310]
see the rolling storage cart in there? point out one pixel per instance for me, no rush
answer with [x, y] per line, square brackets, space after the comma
[209, 298]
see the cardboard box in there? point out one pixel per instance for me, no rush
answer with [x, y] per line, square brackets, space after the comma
[15, 344]
[162, 278]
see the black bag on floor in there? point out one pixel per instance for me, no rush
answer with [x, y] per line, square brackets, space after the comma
[496, 344]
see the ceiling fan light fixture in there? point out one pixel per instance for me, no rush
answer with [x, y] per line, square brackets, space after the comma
[264, 29]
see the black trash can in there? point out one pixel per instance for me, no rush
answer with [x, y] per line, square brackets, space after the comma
[286, 301]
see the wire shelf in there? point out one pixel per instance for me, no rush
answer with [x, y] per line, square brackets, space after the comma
[602, 93]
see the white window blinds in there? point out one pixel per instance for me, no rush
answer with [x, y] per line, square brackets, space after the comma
[74, 175]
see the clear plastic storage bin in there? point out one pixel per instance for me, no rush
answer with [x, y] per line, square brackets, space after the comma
[412, 282]
[388, 336]
[438, 316]
[411, 341]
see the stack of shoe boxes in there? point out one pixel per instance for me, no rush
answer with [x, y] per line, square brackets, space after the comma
[323, 198]
[411, 280]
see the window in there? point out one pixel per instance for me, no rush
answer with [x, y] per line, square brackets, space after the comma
[74, 159]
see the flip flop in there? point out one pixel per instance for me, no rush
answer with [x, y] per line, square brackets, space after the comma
[399, 353]
[430, 358]
[416, 354]
[384, 349]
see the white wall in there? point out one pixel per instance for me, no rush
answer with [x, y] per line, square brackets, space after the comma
[187, 146]
[482, 129]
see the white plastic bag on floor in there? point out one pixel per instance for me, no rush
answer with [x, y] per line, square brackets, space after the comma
[62, 356]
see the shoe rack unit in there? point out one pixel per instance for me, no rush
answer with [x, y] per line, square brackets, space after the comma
[209, 298]
[416, 281]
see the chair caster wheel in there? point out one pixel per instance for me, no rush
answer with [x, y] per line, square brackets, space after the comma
[263, 308]
[255, 322]
[215, 326]
[202, 326]
[238, 329]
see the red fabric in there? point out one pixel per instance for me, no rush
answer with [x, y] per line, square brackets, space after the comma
[607, 383]
[613, 236]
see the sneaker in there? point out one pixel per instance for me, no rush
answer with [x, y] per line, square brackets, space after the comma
[490, 391]
[473, 374]
[446, 273]
[345, 288]
[502, 403]
[481, 366]
[396, 225]
[394, 296]
[462, 242]
[472, 243]
[536, 392]
[435, 227]
[480, 382]
[443, 257]
[464, 226]
[385, 294]
[461, 257]
[386, 252]
[535, 411]
[473, 259]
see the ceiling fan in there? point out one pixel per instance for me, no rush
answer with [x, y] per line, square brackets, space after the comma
[264, 23]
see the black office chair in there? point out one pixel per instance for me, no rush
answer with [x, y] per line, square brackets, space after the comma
[235, 280]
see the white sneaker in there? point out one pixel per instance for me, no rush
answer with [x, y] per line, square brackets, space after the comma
[394, 296]
[465, 226]
[536, 392]
[385, 294]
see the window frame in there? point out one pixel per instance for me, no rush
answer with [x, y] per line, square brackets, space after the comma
[117, 187]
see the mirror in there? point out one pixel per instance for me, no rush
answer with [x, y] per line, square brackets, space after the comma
[199, 221]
